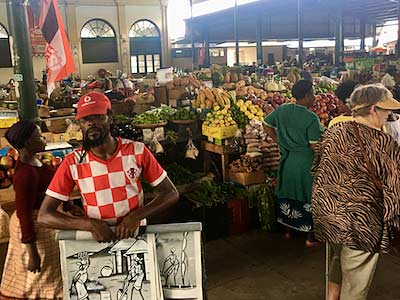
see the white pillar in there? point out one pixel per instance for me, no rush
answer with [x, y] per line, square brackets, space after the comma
[165, 41]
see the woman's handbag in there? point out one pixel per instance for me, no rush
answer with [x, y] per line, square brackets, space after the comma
[394, 235]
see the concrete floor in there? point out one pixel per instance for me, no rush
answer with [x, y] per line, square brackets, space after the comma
[260, 266]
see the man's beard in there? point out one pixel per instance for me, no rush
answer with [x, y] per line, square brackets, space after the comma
[99, 141]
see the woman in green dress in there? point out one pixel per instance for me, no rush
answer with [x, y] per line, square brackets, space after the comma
[296, 130]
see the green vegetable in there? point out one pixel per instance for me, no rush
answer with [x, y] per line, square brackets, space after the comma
[262, 197]
[121, 119]
[148, 118]
[179, 175]
[184, 114]
[210, 193]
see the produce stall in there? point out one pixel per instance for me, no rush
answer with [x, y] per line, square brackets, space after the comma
[208, 135]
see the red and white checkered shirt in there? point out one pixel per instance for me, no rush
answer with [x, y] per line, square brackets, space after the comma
[110, 189]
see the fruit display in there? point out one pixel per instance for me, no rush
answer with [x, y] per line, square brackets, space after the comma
[217, 77]
[219, 117]
[183, 114]
[246, 164]
[326, 106]
[325, 87]
[251, 111]
[272, 86]
[7, 165]
[293, 75]
[208, 98]
[239, 116]
[48, 159]
[264, 105]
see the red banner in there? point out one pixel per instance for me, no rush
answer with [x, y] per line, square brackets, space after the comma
[37, 40]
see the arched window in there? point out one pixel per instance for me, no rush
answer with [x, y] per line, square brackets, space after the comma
[5, 54]
[145, 45]
[144, 28]
[99, 42]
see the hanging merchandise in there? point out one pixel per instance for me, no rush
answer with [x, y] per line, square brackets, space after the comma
[238, 144]
[155, 145]
[191, 150]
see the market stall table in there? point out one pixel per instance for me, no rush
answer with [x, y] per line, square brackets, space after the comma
[223, 151]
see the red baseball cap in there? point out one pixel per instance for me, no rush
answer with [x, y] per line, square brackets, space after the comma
[93, 103]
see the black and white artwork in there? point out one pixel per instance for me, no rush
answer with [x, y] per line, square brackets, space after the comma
[123, 270]
[179, 264]
[163, 263]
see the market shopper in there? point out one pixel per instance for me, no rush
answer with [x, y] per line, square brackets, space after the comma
[107, 172]
[356, 192]
[297, 130]
[343, 92]
[32, 268]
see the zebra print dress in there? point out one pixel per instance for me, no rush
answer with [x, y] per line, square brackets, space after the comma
[347, 208]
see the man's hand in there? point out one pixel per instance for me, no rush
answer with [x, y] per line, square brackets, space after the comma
[100, 230]
[34, 258]
[127, 227]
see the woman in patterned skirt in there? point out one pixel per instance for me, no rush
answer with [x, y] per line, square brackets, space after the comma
[32, 268]
[297, 130]
[356, 192]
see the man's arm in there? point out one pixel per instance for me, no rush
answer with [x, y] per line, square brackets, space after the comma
[166, 196]
[49, 216]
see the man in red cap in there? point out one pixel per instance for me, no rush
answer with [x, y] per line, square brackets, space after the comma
[107, 172]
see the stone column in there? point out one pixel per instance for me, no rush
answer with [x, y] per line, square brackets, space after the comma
[123, 40]
[165, 40]
[74, 36]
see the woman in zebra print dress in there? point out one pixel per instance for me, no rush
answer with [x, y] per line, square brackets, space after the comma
[348, 209]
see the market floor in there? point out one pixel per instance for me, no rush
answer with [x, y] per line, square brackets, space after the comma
[257, 266]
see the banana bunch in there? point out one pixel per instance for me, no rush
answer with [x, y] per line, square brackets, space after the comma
[208, 98]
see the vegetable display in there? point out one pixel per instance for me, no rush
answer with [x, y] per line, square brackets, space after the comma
[210, 193]
[262, 197]
[184, 115]
[148, 118]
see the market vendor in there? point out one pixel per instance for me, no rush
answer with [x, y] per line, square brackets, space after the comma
[296, 130]
[107, 172]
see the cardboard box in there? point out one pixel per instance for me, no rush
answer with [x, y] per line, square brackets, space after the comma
[248, 178]
[219, 132]
[176, 93]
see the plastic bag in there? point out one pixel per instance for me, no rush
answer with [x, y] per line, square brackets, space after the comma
[191, 150]
[155, 146]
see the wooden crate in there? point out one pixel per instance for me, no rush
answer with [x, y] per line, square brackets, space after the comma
[248, 178]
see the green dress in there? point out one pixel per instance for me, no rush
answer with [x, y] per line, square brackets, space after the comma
[296, 128]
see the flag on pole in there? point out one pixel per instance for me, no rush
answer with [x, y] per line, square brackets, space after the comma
[59, 60]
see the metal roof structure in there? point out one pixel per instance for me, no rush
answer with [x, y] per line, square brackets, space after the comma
[279, 20]
[375, 11]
